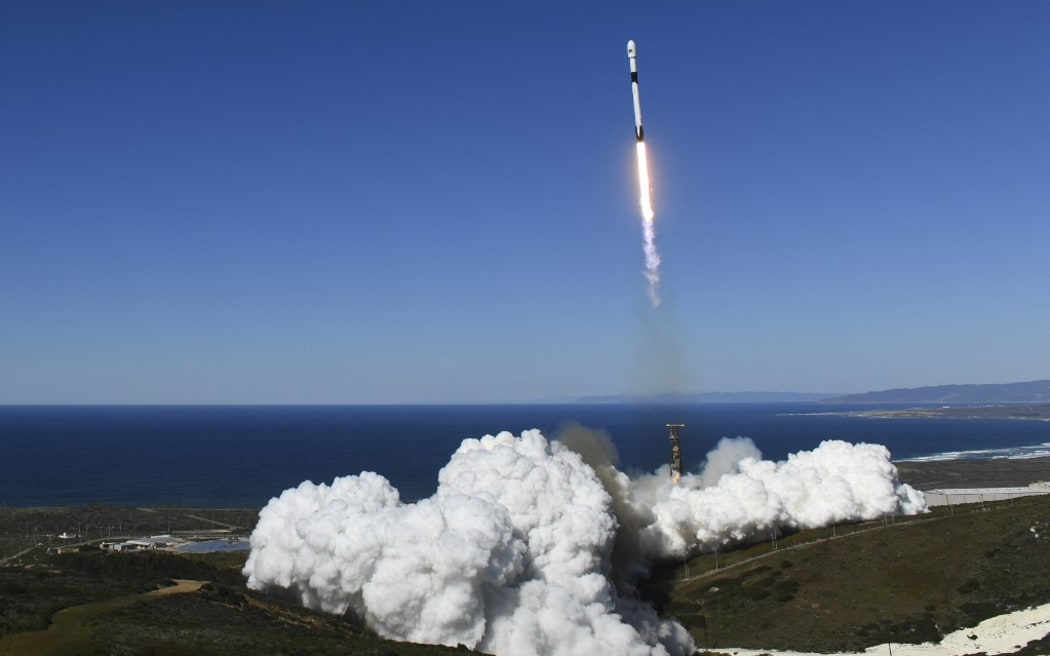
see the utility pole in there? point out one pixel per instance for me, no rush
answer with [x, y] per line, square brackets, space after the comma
[703, 613]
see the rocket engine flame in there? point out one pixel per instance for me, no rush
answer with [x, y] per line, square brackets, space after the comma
[645, 201]
[652, 256]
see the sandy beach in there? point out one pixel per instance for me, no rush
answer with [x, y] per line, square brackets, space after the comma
[1004, 634]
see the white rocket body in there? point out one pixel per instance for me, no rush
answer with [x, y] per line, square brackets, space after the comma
[632, 57]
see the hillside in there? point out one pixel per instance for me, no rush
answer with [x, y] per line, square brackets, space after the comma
[168, 605]
[1037, 391]
[708, 397]
[847, 588]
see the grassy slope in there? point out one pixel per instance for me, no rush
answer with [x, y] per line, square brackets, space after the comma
[106, 611]
[908, 582]
[903, 582]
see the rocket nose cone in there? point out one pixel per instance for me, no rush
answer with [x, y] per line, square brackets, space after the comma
[631, 52]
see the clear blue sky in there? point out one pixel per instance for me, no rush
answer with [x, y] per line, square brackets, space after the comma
[400, 202]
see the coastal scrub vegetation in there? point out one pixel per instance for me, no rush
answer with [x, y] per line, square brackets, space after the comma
[839, 588]
[847, 588]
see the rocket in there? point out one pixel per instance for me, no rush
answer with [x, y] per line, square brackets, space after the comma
[645, 201]
[632, 57]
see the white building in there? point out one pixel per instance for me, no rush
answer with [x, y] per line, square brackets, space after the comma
[956, 496]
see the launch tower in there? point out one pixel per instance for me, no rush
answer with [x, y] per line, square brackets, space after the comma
[676, 453]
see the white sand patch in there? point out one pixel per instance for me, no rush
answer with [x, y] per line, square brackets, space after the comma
[1004, 634]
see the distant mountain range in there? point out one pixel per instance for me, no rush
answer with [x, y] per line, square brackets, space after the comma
[1037, 391]
[710, 397]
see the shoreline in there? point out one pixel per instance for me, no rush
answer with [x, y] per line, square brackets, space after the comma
[1019, 411]
[1002, 634]
[922, 474]
[991, 634]
[973, 472]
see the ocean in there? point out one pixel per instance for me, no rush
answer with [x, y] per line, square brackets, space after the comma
[241, 456]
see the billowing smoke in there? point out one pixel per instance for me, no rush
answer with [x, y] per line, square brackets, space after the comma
[529, 546]
[738, 497]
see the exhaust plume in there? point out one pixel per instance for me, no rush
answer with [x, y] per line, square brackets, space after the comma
[652, 256]
[738, 498]
[530, 546]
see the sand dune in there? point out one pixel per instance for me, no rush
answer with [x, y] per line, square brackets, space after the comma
[1004, 634]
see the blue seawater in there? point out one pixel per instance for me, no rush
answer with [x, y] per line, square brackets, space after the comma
[241, 456]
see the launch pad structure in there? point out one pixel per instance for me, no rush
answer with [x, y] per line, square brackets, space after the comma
[676, 452]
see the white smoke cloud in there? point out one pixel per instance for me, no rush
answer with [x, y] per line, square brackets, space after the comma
[738, 496]
[726, 457]
[517, 551]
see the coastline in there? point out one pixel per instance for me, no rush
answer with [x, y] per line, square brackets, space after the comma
[973, 472]
[997, 635]
[1022, 412]
[943, 471]
[1003, 634]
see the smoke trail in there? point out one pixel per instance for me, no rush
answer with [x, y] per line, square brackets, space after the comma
[652, 256]
[529, 546]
